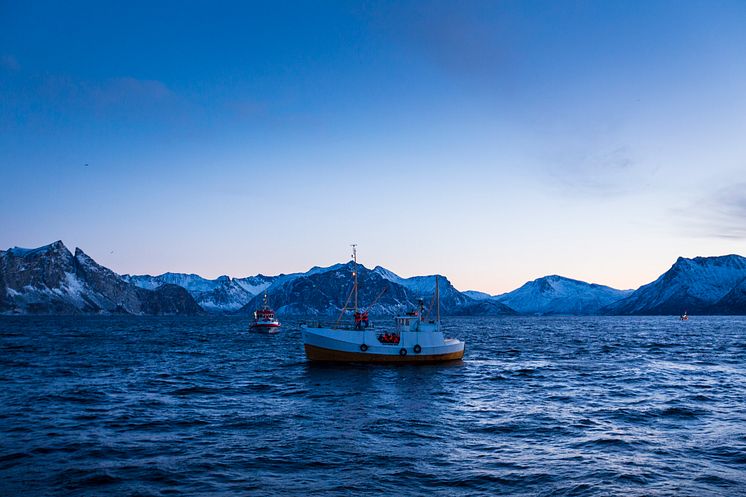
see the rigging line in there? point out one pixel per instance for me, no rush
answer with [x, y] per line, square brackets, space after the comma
[349, 296]
[432, 301]
[375, 301]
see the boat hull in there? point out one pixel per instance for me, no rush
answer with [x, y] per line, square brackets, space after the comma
[265, 328]
[340, 345]
[320, 354]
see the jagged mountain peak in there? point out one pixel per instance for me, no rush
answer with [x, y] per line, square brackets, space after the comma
[222, 294]
[333, 267]
[57, 247]
[326, 292]
[729, 260]
[421, 285]
[696, 285]
[710, 267]
[51, 280]
[80, 255]
[389, 275]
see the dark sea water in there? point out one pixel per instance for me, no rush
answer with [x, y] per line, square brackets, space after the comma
[539, 406]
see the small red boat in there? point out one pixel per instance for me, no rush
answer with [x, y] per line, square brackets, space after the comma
[265, 320]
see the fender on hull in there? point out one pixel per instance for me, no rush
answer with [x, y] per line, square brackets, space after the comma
[320, 354]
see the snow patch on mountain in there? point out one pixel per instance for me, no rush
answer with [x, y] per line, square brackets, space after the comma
[22, 252]
[422, 285]
[417, 284]
[254, 284]
[223, 294]
[191, 282]
[477, 295]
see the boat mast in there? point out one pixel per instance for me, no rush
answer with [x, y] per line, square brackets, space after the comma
[354, 272]
[437, 300]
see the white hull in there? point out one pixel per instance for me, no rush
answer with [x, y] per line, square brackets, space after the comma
[265, 327]
[411, 343]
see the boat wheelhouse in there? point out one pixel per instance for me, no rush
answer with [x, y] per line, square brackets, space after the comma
[413, 338]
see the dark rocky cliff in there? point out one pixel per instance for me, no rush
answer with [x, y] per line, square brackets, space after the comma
[51, 280]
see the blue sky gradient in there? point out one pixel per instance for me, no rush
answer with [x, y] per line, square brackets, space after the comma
[494, 142]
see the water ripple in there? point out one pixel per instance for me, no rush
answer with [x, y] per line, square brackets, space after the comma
[540, 406]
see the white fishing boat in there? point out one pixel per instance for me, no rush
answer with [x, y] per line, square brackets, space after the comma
[265, 320]
[411, 338]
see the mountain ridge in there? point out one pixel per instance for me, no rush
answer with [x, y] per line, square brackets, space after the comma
[698, 285]
[50, 279]
[326, 292]
[555, 294]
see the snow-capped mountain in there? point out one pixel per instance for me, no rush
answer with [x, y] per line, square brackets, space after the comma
[229, 295]
[703, 285]
[477, 295]
[51, 280]
[223, 294]
[559, 295]
[192, 282]
[283, 279]
[452, 301]
[424, 286]
[324, 291]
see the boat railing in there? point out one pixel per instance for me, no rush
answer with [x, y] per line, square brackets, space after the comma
[339, 326]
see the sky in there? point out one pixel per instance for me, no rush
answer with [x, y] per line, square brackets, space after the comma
[494, 142]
